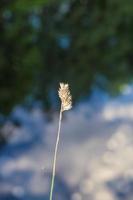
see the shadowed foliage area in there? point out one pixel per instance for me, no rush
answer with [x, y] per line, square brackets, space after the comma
[86, 43]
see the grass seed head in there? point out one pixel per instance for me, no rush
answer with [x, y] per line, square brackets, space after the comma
[65, 96]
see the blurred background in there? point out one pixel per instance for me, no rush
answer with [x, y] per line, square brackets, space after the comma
[89, 45]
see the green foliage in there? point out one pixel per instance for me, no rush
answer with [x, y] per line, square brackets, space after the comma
[87, 43]
[24, 5]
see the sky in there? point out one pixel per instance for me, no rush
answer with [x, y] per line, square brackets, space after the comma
[95, 151]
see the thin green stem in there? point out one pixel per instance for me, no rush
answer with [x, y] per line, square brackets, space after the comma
[55, 156]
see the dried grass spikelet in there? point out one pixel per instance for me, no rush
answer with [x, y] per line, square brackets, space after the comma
[66, 104]
[65, 96]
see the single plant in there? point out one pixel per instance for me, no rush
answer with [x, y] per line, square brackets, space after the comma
[66, 104]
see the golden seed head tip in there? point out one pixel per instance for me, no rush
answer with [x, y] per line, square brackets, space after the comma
[65, 96]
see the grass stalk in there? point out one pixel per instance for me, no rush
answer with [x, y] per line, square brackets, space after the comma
[55, 156]
[66, 104]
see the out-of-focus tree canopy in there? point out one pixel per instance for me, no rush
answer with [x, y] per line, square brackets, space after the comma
[86, 43]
